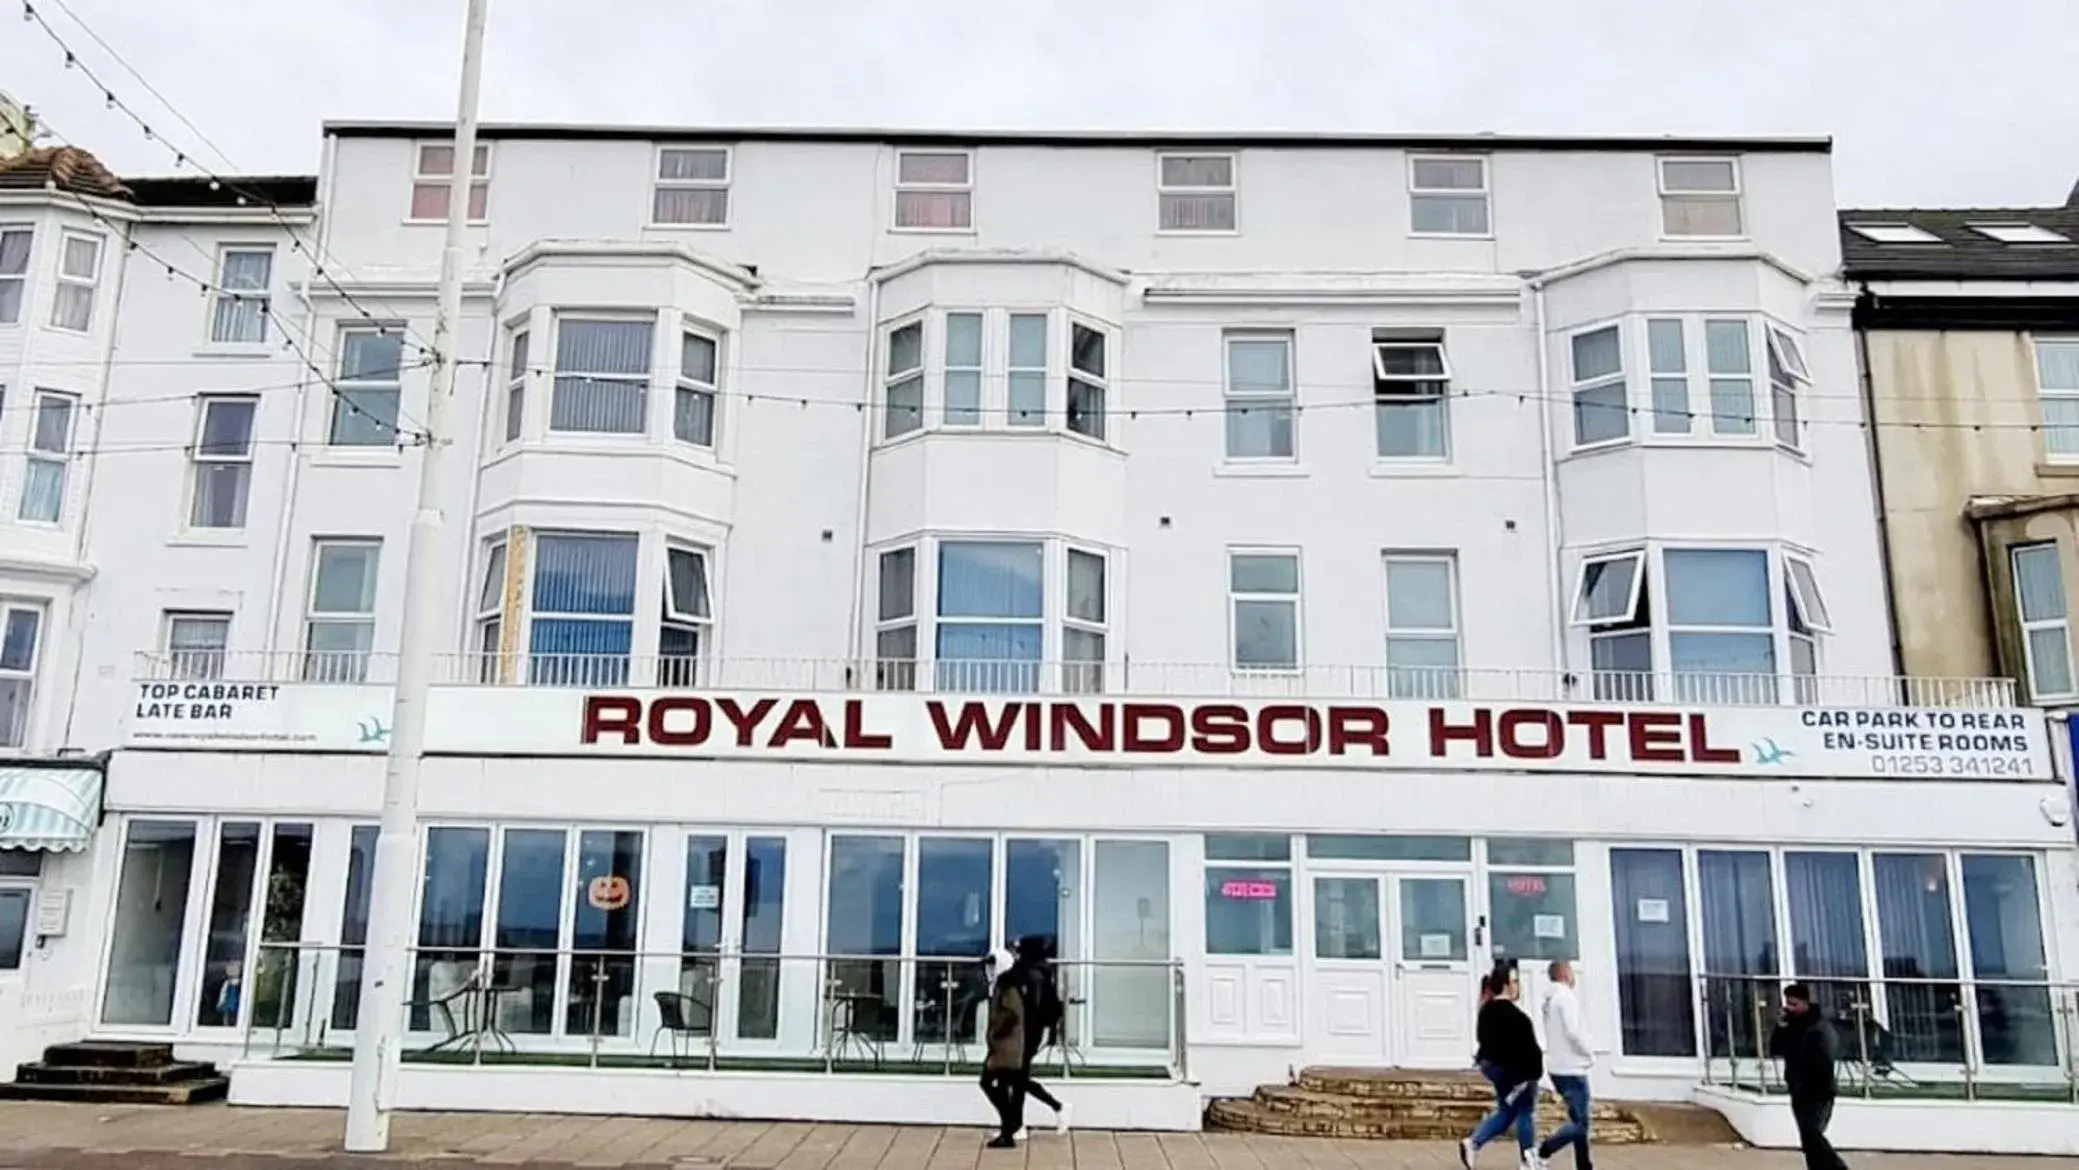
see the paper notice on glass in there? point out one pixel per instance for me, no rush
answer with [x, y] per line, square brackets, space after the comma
[1436, 946]
[1548, 926]
[703, 897]
[1653, 909]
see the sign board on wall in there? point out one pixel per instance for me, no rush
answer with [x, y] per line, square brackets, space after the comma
[1849, 742]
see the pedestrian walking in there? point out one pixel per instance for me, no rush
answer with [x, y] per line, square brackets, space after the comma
[1043, 1016]
[1003, 1065]
[1509, 1044]
[1568, 1057]
[1804, 1041]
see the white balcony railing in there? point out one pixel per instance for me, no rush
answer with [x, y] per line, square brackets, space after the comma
[1419, 684]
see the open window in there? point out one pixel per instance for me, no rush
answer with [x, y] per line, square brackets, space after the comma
[684, 634]
[1411, 383]
[1787, 384]
[1805, 611]
[1806, 603]
[1611, 600]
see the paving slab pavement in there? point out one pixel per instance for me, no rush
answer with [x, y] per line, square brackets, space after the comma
[45, 1136]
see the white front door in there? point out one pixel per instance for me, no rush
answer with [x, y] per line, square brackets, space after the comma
[1432, 1002]
[1346, 1010]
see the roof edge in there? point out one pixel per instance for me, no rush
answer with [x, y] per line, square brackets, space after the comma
[348, 128]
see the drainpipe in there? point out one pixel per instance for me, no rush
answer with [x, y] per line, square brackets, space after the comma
[83, 595]
[321, 232]
[1548, 476]
[1866, 387]
[854, 635]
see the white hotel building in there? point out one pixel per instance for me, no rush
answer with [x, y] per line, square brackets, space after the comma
[1420, 551]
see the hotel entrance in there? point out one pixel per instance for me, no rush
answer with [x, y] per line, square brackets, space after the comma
[1392, 977]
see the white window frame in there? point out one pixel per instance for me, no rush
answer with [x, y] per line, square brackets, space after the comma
[896, 674]
[1232, 400]
[2062, 622]
[964, 190]
[685, 385]
[1894, 233]
[1382, 377]
[1431, 682]
[1165, 190]
[2066, 397]
[1673, 196]
[20, 279]
[487, 627]
[663, 183]
[518, 344]
[81, 285]
[226, 302]
[557, 668]
[195, 662]
[1805, 620]
[891, 378]
[1013, 415]
[1786, 356]
[38, 454]
[2019, 232]
[984, 322]
[344, 408]
[17, 735]
[1659, 380]
[1295, 599]
[479, 181]
[1577, 386]
[1632, 619]
[1099, 380]
[643, 381]
[198, 459]
[1082, 674]
[1484, 192]
[339, 666]
[1745, 428]
[676, 670]
[996, 671]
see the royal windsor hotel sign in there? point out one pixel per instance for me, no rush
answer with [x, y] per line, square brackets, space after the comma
[1845, 742]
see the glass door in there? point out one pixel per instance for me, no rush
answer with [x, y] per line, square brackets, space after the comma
[150, 922]
[1346, 986]
[1433, 973]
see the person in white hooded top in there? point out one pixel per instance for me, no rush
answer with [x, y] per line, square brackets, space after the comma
[1569, 1055]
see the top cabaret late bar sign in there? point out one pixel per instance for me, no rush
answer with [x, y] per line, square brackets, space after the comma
[1783, 741]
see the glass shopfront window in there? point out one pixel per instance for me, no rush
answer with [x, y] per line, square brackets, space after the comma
[1656, 1001]
[1827, 947]
[1921, 997]
[954, 879]
[1130, 996]
[151, 913]
[700, 934]
[353, 928]
[1741, 964]
[865, 908]
[1248, 907]
[2004, 927]
[1533, 915]
[451, 918]
[758, 971]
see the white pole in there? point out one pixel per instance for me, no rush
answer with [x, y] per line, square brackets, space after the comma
[386, 970]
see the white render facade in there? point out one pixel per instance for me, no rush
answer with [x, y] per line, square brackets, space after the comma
[1444, 425]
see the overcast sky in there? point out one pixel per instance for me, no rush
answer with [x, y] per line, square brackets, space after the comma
[1929, 101]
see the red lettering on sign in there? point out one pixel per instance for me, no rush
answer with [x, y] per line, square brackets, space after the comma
[611, 715]
[746, 722]
[1532, 735]
[1255, 891]
[662, 728]
[1700, 745]
[1480, 732]
[1656, 737]
[1271, 743]
[804, 721]
[1101, 736]
[1153, 727]
[1598, 725]
[972, 724]
[1221, 729]
[856, 734]
[1350, 727]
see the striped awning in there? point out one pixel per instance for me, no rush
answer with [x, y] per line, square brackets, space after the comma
[55, 808]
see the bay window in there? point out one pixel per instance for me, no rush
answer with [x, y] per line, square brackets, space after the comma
[693, 403]
[1730, 625]
[991, 616]
[490, 615]
[895, 624]
[683, 634]
[986, 369]
[1083, 624]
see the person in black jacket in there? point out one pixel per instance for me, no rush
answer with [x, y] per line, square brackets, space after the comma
[1805, 1043]
[1510, 1045]
[1043, 1015]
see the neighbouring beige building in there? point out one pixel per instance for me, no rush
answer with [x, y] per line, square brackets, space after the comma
[1967, 327]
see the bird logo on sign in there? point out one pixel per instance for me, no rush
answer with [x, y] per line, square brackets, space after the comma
[1767, 754]
[373, 731]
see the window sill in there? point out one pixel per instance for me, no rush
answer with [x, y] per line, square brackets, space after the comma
[1190, 232]
[617, 445]
[1014, 434]
[205, 538]
[687, 227]
[1741, 238]
[2058, 470]
[1261, 471]
[241, 351]
[357, 456]
[57, 525]
[1416, 469]
[1475, 237]
[899, 230]
[441, 223]
[1603, 447]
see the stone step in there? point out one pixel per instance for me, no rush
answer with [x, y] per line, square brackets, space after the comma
[1398, 1083]
[39, 1072]
[1249, 1116]
[108, 1054]
[194, 1092]
[1296, 1099]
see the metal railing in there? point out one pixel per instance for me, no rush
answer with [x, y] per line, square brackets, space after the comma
[1419, 684]
[710, 1010]
[1905, 1036]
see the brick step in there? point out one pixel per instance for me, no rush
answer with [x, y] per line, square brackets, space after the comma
[1398, 1083]
[1248, 1116]
[39, 1072]
[194, 1092]
[108, 1054]
[1295, 1099]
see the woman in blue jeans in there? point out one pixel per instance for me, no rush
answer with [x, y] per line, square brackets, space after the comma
[1510, 1058]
